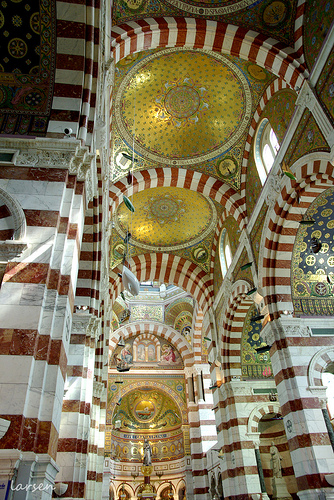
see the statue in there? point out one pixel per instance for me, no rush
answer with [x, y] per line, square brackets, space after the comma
[147, 453]
[276, 460]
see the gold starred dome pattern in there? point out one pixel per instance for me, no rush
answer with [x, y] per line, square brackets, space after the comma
[183, 107]
[167, 218]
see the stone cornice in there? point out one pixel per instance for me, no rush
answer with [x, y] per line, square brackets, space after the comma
[56, 153]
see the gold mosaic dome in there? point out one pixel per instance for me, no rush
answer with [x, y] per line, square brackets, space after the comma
[167, 218]
[183, 106]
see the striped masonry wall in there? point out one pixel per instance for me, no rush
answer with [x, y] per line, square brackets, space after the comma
[74, 98]
[301, 405]
[84, 404]
[36, 303]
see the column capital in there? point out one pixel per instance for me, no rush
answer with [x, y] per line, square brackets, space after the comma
[284, 327]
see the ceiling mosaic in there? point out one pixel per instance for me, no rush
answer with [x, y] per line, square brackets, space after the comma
[325, 86]
[27, 66]
[307, 138]
[188, 108]
[318, 18]
[313, 273]
[183, 107]
[272, 17]
[167, 218]
[253, 364]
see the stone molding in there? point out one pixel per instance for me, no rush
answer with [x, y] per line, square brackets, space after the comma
[10, 250]
[17, 213]
[56, 153]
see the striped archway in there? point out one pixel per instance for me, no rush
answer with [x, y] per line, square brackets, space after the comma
[232, 321]
[153, 329]
[314, 174]
[168, 268]
[217, 36]
[258, 412]
[182, 178]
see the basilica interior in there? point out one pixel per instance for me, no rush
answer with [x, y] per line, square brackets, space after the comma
[166, 268]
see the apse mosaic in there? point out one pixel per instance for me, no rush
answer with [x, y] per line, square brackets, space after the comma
[312, 269]
[319, 15]
[184, 104]
[167, 218]
[144, 412]
[307, 138]
[271, 17]
[253, 364]
[27, 65]
[147, 354]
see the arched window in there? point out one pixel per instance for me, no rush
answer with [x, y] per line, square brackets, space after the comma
[225, 252]
[266, 148]
[328, 381]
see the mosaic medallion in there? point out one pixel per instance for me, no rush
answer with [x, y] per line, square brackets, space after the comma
[144, 410]
[182, 101]
[183, 107]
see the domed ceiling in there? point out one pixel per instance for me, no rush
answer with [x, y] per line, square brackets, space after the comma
[166, 218]
[183, 107]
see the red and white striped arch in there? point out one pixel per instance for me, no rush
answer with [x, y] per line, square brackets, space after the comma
[181, 178]
[318, 365]
[219, 37]
[232, 322]
[259, 412]
[168, 268]
[314, 174]
[153, 329]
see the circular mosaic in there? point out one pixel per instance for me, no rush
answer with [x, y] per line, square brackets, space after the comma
[167, 218]
[182, 101]
[183, 107]
[274, 13]
[164, 208]
[144, 410]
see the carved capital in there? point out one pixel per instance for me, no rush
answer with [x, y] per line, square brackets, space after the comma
[83, 165]
[11, 249]
[274, 188]
[98, 389]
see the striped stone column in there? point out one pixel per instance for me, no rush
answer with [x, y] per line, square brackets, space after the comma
[75, 428]
[36, 303]
[293, 348]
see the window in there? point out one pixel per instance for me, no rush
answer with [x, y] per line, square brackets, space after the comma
[328, 381]
[225, 252]
[266, 148]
